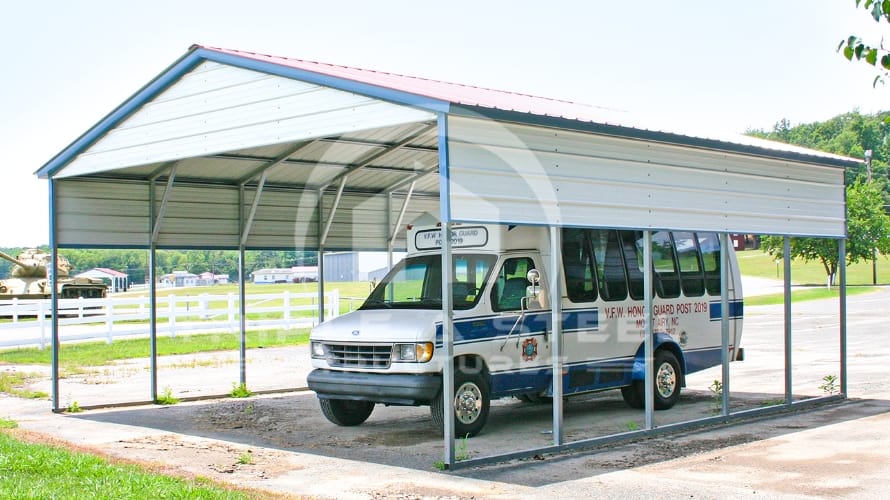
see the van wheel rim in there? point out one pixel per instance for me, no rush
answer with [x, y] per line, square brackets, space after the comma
[666, 380]
[467, 403]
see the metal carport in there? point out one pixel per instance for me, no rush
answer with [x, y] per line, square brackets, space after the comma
[235, 150]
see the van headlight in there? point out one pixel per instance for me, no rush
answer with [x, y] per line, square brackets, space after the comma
[317, 350]
[419, 353]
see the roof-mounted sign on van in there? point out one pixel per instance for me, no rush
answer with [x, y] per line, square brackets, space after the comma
[461, 237]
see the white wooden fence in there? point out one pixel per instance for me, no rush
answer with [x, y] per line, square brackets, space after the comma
[28, 322]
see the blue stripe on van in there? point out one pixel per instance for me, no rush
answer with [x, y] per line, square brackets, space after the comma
[736, 309]
[588, 376]
[483, 328]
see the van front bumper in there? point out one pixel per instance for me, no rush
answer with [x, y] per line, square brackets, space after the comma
[388, 388]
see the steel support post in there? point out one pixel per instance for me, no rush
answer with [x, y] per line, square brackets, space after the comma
[786, 287]
[556, 332]
[244, 227]
[320, 256]
[724, 323]
[648, 341]
[152, 296]
[447, 302]
[842, 271]
[51, 278]
[448, 345]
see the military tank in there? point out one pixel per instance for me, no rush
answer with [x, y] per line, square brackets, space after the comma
[27, 280]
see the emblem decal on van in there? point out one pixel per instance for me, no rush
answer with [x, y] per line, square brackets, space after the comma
[355, 333]
[529, 349]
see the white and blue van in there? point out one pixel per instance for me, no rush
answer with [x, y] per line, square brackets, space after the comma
[390, 350]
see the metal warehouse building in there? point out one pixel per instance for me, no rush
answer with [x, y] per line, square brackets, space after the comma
[235, 150]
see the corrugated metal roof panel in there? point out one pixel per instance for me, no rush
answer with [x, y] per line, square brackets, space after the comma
[473, 96]
[226, 114]
[446, 91]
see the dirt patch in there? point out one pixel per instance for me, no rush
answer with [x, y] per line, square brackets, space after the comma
[210, 457]
[187, 458]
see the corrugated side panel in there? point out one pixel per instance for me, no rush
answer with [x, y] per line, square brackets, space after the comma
[359, 223]
[217, 108]
[95, 213]
[102, 213]
[203, 216]
[284, 219]
[501, 172]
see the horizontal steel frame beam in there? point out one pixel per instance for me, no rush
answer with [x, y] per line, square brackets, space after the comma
[379, 154]
[411, 179]
[274, 162]
[322, 164]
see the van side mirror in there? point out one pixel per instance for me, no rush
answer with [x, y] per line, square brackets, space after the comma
[531, 294]
[533, 277]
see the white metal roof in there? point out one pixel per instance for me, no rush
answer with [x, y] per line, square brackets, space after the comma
[333, 153]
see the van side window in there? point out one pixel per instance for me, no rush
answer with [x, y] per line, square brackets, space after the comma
[691, 276]
[631, 247]
[609, 264]
[511, 283]
[578, 264]
[667, 280]
[710, 254]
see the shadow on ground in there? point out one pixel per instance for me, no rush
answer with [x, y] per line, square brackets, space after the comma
[404, 437]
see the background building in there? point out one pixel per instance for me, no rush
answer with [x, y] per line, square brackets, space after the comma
[116, 280]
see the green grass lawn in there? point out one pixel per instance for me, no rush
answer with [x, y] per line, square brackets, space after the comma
[72, 357]
[29, 470]
[816, 293]
[762, 265]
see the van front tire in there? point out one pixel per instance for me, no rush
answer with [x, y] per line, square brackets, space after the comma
[471, 404]
[346, 412]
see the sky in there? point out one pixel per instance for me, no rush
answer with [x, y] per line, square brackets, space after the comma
[718, 67]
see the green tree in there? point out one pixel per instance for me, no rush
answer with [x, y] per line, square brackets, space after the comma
[868, 229]
[862, 50]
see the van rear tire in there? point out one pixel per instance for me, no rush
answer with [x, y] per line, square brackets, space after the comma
[346, 412]
[668, 377]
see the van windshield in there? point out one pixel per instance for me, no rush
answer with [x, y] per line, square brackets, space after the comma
[416, 283]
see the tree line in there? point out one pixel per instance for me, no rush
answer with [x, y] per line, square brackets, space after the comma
[134, 262]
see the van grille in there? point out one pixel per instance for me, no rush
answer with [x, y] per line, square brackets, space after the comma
[359, 356]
